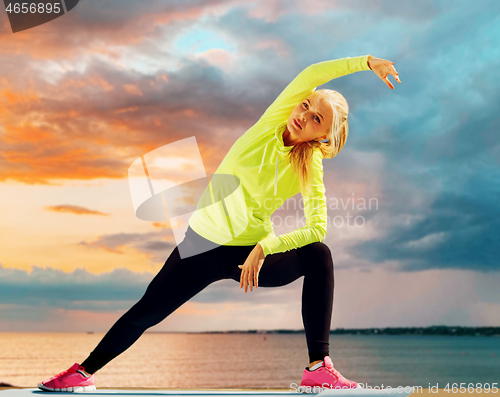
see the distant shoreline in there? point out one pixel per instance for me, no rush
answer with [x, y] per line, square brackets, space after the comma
[432, 330]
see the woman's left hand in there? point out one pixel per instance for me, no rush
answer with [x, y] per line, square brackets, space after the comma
[383, 68]
[251, 268]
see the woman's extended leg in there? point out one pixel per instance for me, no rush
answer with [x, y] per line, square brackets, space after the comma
[314, 262]
[179, 280]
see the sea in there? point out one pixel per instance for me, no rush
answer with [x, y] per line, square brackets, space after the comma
[240, 360]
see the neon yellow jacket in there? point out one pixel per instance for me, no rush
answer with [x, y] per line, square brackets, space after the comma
[255, 178]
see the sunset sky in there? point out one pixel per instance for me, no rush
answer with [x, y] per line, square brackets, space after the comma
[84, 96]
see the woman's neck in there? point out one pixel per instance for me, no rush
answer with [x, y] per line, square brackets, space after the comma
[287, 139]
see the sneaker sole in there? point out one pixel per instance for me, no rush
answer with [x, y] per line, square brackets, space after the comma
[68, 389]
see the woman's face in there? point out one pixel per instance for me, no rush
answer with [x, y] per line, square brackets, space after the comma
[310, 119]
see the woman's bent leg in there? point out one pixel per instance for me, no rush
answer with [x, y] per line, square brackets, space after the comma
[179, 280]
[314, 262]
[317, 298]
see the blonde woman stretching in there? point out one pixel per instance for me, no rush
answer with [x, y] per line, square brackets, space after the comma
[278, 157]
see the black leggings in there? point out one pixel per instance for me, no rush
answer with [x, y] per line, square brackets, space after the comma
[182, 278]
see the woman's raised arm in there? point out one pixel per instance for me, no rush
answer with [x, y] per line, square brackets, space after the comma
[323, 72]
[310, 78]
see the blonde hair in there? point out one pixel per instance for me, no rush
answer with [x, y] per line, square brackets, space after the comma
[302, 153]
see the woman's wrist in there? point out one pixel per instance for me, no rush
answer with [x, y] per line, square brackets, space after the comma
[260, 248]
[368, 59]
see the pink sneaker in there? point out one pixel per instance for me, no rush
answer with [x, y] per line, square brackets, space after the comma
[69, 380]
[327, 377]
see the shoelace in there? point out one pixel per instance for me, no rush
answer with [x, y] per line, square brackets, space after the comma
[58, 375]
[335, 372]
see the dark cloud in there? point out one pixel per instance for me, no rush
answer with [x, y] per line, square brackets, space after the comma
[458, 232]
[157, 245]
[406, 10]
[51, 287]
[116, 290]
[145, 242]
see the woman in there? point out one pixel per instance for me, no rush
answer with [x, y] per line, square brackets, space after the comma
[287, 146]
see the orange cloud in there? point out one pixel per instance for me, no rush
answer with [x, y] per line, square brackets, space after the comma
[74, 209]
[26, 132]
[13, 98]
[161, 225]
[132, 89]
[69, 84]
[72, 131]
[127, 109]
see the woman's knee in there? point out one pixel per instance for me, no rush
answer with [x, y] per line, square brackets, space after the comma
[144, 315]
[319, 255]
[321, 247]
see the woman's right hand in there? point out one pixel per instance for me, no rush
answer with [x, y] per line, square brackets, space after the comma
[251, 268]
[383, 68]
